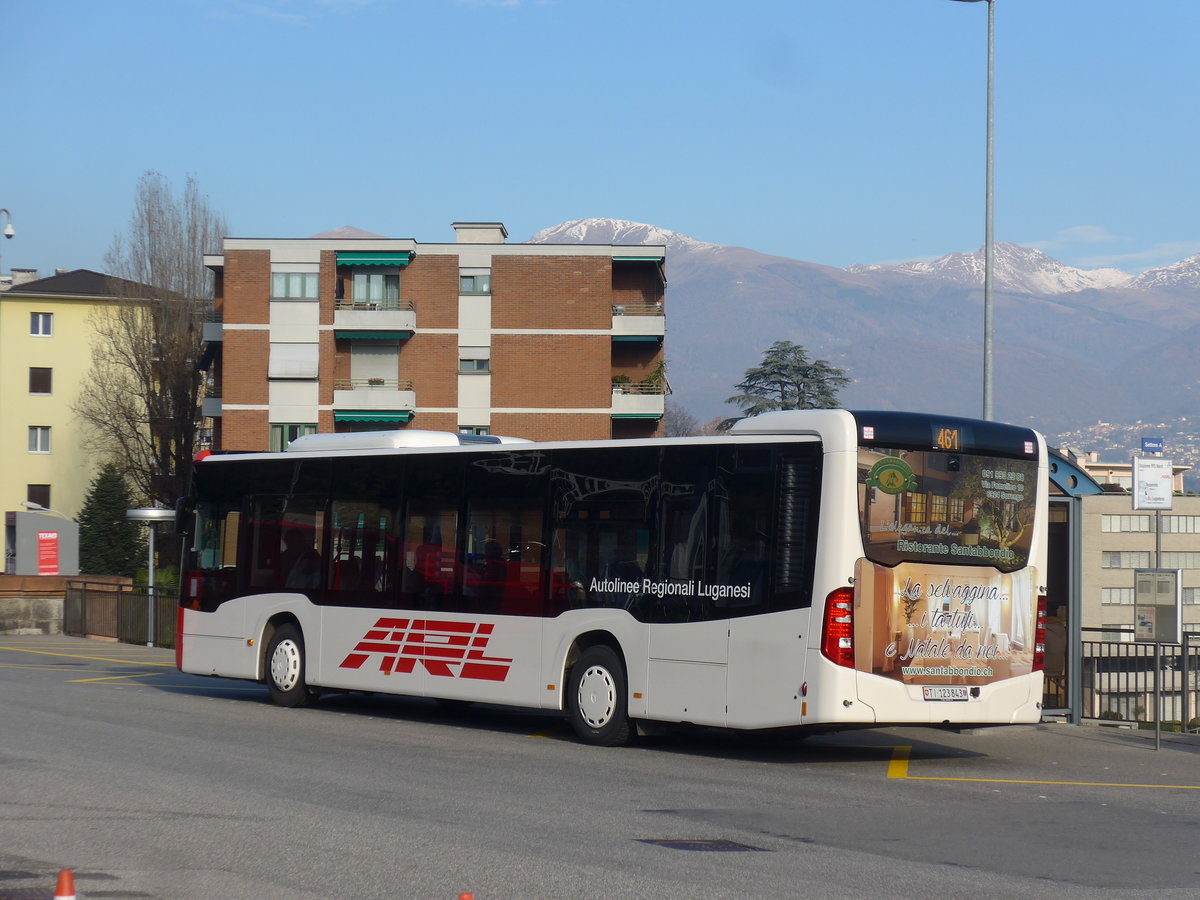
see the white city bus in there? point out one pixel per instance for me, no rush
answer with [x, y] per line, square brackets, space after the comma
[811, 569]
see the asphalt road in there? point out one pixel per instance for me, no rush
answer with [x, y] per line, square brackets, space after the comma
[152, 784]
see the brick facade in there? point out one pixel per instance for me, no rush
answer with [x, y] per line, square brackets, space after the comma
[553, 356]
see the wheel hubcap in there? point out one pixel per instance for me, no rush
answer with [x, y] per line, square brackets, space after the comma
[597, 697]
[285, 665]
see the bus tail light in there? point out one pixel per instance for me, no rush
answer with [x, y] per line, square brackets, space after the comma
[837, 632]
[193, 588]
[1039, 639]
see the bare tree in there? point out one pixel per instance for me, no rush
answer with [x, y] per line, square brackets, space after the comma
[141, 399]
[678, 422]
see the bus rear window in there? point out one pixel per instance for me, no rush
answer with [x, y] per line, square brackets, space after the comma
[956, 508]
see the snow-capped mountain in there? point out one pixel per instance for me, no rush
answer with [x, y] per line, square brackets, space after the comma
[1072, 346]
[1018, 270]
[617, 231]
[1185, 274]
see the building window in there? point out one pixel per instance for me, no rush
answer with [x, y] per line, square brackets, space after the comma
[39, 438]
[282, 435]
[1125, 559]
[40, 380]
[1117, 596]
[957, 508]
[39, 494]
[474, 366]
[1176, 560]
[916, 507]
[474, 284]
[474, 429]
[376, 286]
[1191, 596]
[293, 360]
[294, 285]
[1124, 524]
[937, 508]
[41, 324]
[1181, 524]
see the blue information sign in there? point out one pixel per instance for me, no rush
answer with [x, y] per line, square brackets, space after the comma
[1152, 445]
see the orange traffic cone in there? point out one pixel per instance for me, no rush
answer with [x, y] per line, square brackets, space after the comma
[66, 885]
[466, 897]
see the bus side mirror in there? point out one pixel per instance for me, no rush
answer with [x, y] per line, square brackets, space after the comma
[184, 508]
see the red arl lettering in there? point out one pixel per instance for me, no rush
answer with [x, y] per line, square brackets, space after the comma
[448, 649]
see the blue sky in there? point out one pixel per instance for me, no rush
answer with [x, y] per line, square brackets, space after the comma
[837, 132]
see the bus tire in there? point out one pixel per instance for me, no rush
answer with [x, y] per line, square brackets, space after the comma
[285, 668]
[597, 698]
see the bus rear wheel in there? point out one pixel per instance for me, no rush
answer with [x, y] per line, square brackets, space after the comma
[597, 698]
[285, 668]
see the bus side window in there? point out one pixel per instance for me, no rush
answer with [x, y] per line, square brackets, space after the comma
[743, 491]
[602, 509]
[286, 538]
[429, 577]
[504, 549]
[362, 554]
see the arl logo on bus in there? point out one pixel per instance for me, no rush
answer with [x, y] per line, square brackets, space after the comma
[447, 649]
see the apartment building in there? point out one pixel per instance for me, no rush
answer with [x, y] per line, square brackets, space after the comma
[1115, 540]
[45, 357]
[350, 331]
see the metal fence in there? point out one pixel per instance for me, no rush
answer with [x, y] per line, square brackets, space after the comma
[93, 609]
[1118, 679]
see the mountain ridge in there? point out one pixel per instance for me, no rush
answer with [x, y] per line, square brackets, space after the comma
[1071, 345]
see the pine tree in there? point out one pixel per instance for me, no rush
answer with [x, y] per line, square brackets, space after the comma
[788, 379]
[109, 544]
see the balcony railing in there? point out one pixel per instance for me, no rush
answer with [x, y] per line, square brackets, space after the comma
[368, 384]
[644, 388]
[391, 304]
[637, 309]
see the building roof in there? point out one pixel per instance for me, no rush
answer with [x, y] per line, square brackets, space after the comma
[347, 232]
[79, 283]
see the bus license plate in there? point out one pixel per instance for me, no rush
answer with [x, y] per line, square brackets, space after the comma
[945, 692]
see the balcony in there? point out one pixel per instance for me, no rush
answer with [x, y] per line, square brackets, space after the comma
[210, 404]
[638, 322]
[634, 400]
[384, 320]
[373, 399]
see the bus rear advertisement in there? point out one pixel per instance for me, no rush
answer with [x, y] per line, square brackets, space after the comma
[811, 569]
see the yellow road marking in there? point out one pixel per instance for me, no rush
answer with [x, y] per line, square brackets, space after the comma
[111, 678]
[898, 768]
[131, 662]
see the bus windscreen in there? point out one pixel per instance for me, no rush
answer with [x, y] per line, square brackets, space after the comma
[946, 508]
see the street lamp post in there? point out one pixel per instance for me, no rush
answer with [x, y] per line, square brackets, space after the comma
[8, 229]
[989, 245]
[150, 516]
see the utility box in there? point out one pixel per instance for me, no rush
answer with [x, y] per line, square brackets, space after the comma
[40, 544]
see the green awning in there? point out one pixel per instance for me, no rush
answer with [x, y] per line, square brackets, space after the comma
[637, 415]
[373, 258]
[371, 415]
[342, 334]
[655, 259]
[638, 337]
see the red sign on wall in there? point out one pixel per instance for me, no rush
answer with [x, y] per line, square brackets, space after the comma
[47, 552]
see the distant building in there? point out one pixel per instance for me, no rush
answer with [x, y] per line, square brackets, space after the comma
[45, 358]
[349, 331]
[1116, 539]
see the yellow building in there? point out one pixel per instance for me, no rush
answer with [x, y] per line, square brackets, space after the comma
[45, 356]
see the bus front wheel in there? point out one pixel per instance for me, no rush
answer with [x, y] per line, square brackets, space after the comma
[597, 698]
[285, 668]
